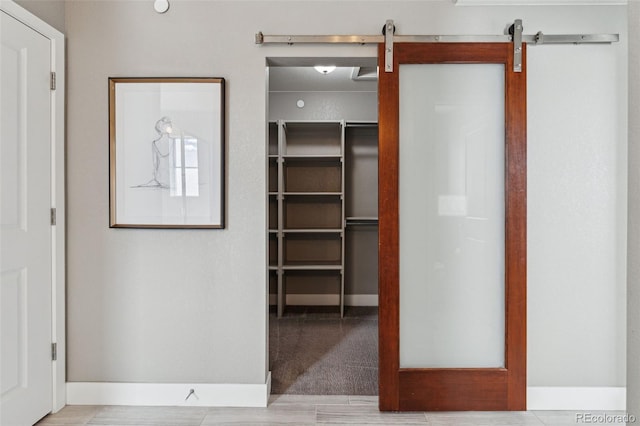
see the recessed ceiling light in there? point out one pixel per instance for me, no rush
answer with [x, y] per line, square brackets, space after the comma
[325, 69]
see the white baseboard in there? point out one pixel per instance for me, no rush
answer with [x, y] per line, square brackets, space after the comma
[257, 395]
[169, 394]
[579, 398]
[328, 299]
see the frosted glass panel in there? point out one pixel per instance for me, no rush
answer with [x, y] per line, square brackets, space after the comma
[452, 216]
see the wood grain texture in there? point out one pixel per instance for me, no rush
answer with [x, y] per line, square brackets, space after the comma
[449, 53]
[453, 389]
[516, 232]
[388, 248]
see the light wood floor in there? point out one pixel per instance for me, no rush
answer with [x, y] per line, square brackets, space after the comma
[310, 410]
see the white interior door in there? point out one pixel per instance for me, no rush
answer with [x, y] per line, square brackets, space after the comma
[25, 226]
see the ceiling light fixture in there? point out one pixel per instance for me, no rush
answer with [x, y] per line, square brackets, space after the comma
[325, 69]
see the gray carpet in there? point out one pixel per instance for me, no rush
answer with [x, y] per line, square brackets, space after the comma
[314, 352]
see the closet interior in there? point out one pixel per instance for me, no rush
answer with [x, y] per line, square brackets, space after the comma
[322, 191]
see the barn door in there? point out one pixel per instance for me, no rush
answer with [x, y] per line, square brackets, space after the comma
[452, 209]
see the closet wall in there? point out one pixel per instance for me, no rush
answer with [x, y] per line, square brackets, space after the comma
[358, 112]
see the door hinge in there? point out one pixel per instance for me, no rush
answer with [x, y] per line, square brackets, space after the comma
[53, 80]
[53, 216]
[54, 351]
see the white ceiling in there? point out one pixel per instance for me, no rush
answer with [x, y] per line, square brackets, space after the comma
[307, 79]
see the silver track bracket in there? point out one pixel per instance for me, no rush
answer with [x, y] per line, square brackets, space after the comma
[388, 45]
[517, 45]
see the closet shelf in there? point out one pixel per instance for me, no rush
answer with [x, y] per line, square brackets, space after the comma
[312, 267]
[312, 231]
[311, 158]
[315, 193]
[306, 193]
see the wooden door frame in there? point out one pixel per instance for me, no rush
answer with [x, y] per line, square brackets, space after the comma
[498, 389]
[58, 232]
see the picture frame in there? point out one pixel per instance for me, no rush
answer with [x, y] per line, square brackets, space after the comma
[167, 153]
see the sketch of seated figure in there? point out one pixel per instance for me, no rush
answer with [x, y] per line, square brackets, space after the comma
[162, 153]
[175, 161]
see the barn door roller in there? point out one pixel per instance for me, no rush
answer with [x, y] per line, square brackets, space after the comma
[388, 38]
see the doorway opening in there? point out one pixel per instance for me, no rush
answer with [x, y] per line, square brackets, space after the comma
[322, 225]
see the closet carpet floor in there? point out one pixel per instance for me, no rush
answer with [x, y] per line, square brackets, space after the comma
[312, 351]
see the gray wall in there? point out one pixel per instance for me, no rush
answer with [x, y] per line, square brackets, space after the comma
[164, 305]
[349, 106]
[50, 11]
[191, 306]
[633, 286]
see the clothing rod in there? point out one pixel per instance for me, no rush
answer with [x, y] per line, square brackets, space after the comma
[535, 39]
[361, 124]
[361, 221]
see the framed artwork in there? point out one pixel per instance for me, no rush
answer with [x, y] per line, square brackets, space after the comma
[166, 153]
